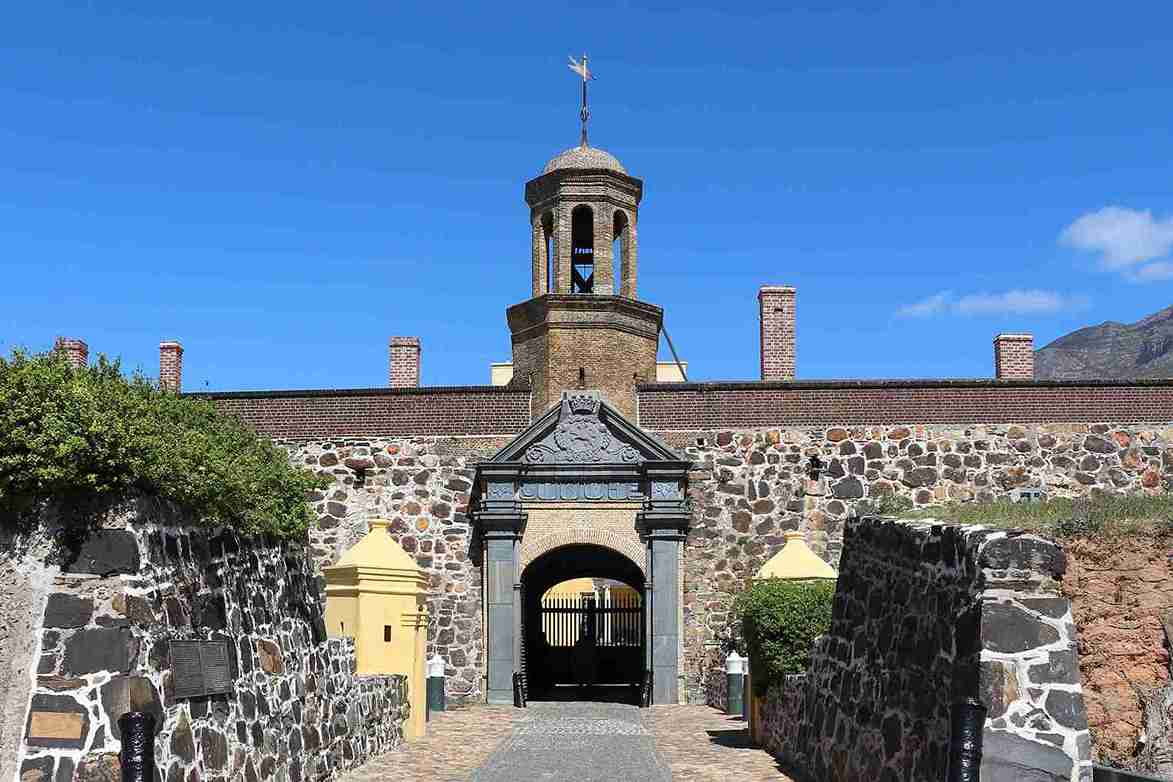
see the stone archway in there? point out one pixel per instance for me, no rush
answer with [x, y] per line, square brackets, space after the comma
[628, 545]
[588, 477]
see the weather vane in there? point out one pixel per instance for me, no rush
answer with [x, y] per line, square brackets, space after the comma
[584, 113]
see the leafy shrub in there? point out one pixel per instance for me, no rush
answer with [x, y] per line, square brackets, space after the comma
[89, 437]
[779, 620]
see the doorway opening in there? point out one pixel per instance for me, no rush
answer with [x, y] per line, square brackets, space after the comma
[583, 625]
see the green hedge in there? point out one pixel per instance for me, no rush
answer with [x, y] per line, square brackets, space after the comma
[92, 436]
[779, 619]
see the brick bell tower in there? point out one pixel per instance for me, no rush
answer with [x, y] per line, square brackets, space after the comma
[584, 327]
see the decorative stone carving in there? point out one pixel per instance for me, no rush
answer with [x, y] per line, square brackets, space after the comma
[665, 490]
[499, 491]
[580, 436]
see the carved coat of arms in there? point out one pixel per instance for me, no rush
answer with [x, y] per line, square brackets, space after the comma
[581, 437]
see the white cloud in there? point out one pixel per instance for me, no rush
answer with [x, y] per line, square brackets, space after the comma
[1160, 270]
[934, 304]
[1012, 302]
[1123, 237]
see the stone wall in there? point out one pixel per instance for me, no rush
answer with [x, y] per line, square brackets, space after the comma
[924, 614]
[752, 485]
[296, 711]
[422, 486]
[24, 585]
[1122, 593]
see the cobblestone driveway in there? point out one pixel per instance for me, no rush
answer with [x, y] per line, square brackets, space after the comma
[576, 742]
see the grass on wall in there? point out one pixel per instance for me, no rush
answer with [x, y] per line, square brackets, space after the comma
[1099, 515]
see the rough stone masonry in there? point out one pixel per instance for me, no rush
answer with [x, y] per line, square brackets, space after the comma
[295, 709]
[926, 614]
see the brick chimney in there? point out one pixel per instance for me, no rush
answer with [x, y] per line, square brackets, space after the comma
[76, 350]
[1014, 357]
[171, 366]
[776, 315]
[404, 371]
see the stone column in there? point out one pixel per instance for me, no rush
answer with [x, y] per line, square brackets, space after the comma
[664, 523]
[664, 609]
[501, 523]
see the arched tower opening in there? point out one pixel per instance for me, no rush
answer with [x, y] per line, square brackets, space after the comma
[582, 249]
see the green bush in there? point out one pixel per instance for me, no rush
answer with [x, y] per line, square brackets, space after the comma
[90, 437]
[779, 620]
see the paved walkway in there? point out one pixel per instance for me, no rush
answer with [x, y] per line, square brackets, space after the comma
[576, 742]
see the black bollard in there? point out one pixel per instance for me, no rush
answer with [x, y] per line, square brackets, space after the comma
[967, 720]
[138, 746]
[518, 691]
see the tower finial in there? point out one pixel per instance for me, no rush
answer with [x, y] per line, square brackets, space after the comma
[584, 113]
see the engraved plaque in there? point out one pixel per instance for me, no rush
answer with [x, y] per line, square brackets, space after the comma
[56, 725]
[200, 668]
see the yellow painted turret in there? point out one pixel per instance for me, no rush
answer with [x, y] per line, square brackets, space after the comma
[377, 595]
[796, 562]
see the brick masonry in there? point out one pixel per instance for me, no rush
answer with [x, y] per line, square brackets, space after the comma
[776, 319]
[403, 362]
[1014, 357]
[380, 412]
[926, 613]
[171, 366]
[687, 406]
[563, 342]
[76, 350]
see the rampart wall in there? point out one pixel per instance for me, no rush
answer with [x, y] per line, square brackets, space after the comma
[926, 615]
[116, 600]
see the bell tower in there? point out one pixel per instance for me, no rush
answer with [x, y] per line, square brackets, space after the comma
[584, 326]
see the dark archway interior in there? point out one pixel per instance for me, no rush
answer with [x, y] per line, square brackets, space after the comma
[590, 665]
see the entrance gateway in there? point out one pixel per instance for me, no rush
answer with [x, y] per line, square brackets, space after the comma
[582, 492]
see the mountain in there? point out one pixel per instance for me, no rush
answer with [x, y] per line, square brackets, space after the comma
[1111, 351]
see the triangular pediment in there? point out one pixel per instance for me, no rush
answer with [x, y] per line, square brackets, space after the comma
[584, 429]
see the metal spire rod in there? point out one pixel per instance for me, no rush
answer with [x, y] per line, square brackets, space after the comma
[584, 113]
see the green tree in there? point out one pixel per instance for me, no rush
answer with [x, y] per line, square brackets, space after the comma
[91, 436]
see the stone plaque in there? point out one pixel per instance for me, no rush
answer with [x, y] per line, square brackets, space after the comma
[200, 668]
[57, 721]
[57, 726]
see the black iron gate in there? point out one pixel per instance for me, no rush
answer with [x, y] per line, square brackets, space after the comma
[589, 641]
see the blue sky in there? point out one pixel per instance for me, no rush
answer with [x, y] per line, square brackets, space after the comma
[283, 186]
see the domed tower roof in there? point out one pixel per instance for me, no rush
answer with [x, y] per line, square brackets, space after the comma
[584, 157]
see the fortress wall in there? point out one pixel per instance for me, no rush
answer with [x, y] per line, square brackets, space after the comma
[121, 594]
[751, 485]
[927, 614]
[690, 406]
[422, 485]
[470, 411]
